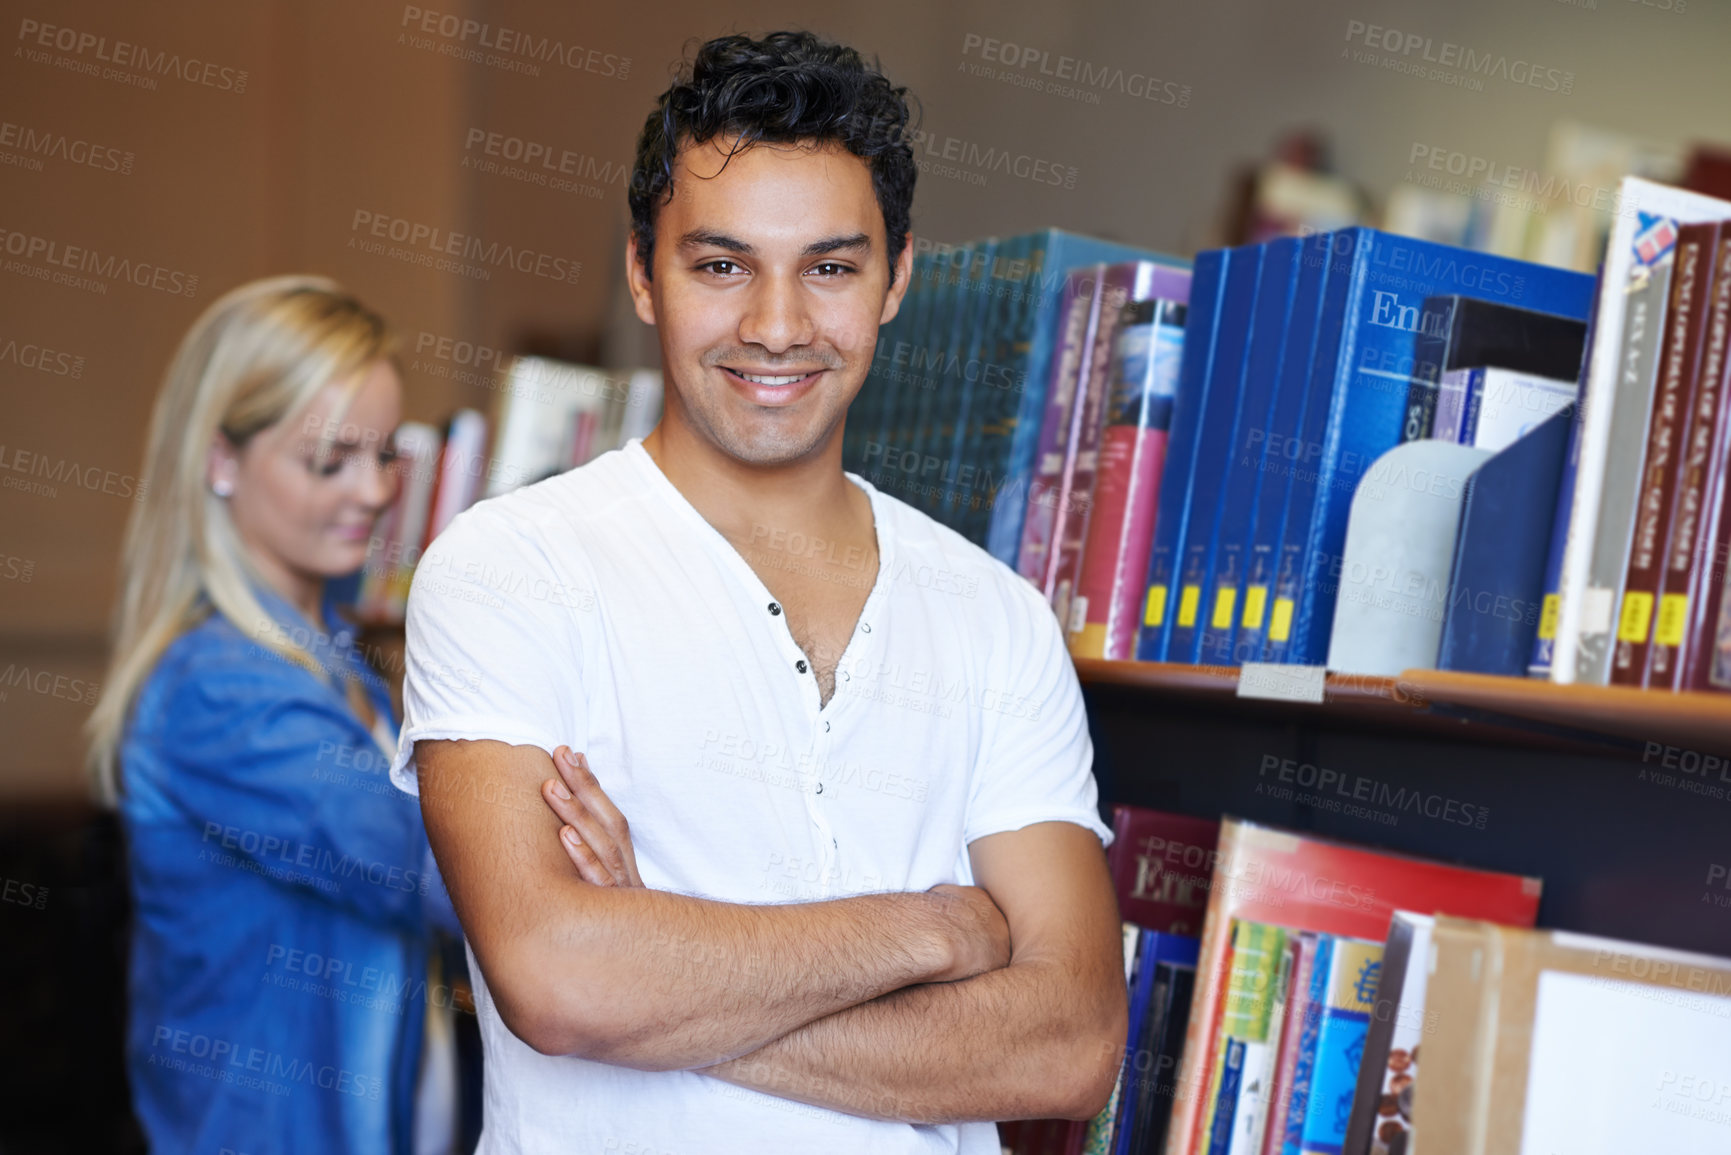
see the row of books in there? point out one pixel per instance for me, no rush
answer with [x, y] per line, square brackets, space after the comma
[1637, 554]
[1282, 987]
[549, 416]
[1212, 464]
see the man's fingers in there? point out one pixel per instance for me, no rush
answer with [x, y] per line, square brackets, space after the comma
[574, 770]
[593, 832]
[588, 867]
[596, 843]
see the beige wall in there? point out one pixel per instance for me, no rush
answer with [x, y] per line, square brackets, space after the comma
[343, 113]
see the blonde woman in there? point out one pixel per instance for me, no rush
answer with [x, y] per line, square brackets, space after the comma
[283, 892]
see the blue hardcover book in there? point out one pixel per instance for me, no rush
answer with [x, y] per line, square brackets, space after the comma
[904, 350]
[1544, 641]
[1141, 989]
[1371, 372]
[933, 419]
[1013, 425]
[1309, 1033]
[988, 374]
[1335, 251]
[1213, 444]
[1228, 566]
[1355, 972]
[1283, 453]
[1226, 1099]
[1498, 576]
[1195, 368]
[1153, 1003]
[861, 450]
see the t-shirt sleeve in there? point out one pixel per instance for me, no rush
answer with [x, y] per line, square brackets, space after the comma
[1037, 761]
[494, 642]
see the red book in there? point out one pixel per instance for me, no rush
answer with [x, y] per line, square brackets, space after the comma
[1667, 434]
[1119, 285]
[1113, 566]
[1307, 883]
[1161, 867]
[1694, 575]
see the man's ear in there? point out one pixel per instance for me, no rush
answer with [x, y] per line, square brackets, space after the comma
[637, 276]
[904, 270]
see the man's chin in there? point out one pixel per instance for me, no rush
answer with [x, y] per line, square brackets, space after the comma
[767, 449]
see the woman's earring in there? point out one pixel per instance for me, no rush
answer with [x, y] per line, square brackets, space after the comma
[222, 487]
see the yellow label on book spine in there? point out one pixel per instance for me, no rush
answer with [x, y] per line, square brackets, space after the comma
[1637, 620]
[1548, 618]
[1188, 599]
[1154, 612]
[1255, 601]
[1280, 625]
[1673, 618]
[1224, 599]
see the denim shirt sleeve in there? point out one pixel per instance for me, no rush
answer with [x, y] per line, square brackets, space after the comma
[271, 766]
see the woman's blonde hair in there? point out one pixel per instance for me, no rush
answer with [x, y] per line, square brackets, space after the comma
[257, 356]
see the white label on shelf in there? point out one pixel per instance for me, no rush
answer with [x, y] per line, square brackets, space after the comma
[1282, 683]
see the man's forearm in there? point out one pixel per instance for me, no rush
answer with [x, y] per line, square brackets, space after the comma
[651, 979]
[1019, 1042]
[661, 981]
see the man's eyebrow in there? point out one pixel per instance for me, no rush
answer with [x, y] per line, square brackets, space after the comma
[706, 239]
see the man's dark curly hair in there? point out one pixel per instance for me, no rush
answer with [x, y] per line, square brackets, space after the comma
[789, 87]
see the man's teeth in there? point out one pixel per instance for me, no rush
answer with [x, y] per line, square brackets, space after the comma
[756, 380]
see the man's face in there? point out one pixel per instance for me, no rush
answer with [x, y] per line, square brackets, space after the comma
[770, 284]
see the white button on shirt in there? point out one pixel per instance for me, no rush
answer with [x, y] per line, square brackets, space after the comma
[598, 610]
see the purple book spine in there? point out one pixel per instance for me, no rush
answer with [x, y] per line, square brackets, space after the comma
[1078, 317]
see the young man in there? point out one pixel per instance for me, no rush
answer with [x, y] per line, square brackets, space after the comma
[906, 759]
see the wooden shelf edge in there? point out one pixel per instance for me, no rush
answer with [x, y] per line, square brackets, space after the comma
[1655, 718]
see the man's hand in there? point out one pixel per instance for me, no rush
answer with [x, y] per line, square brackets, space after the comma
[595, 834]
[597, 839]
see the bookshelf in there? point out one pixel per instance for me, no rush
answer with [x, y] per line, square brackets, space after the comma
[1615, 797]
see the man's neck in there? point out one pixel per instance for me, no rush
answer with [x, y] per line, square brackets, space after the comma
[746, 502]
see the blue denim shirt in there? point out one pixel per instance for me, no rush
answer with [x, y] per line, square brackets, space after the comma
[283, 895]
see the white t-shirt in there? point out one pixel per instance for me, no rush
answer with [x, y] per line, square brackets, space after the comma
[598, 609]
